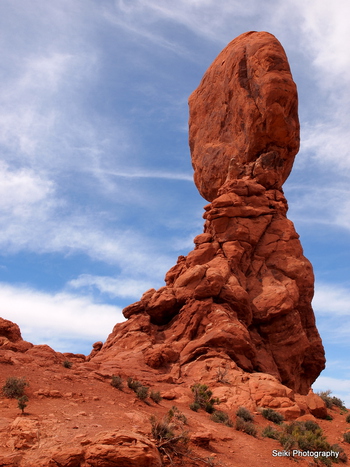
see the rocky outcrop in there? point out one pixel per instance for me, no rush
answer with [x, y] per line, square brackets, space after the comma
[13, 349]
[245, 291]
[244, 116]
[119, 448]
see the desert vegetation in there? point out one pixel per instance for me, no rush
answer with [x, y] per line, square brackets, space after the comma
[117, 382]
[203, 398]
[67, 364]
[14, 387]
[272, 416]
[331, 401]
[221, 417]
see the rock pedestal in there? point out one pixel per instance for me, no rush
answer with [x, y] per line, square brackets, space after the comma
[245, 290]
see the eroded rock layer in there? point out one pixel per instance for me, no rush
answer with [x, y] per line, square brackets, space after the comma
[245, 291]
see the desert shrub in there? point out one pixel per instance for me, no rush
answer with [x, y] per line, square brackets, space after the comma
[348, 419]
[142, 392]
[67, 364]
[273, 416]
[117, 382]
[202, 396]
[169, 441]
[310, 425]
[14, 387]
[176, 416]
[221, 375]
[133, 384]
[287, 441]
[270, 432]
[22, 402]
[245, 414]
[331, 400]
[161, 429]
[342, 454]
[155, 396]
[328, 417]
[221, 417]
[195, 406]
[346, 437]
[338, 402]
[297, 428]
[325, 396]
[308, 436]
[247, 427]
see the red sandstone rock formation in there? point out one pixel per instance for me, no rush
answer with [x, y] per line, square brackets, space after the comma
[245, 291]
[244, 116]
[235, 313]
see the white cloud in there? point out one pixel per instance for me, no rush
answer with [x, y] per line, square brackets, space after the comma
[149, 19]
[331, 304]
[144, 173]
[326, 35]
[328, 141]
[52, 319]
[332, 300]
[21, 189]
[43, 232]
[114, 287]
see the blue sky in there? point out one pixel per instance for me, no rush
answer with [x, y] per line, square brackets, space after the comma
[96, 191]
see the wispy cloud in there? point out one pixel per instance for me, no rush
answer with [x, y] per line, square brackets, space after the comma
[114, 287]
[331, 304]
[22, 189]
[144, 173]
[33, 217]
[323, 201]
[203, 18]
[332, 300]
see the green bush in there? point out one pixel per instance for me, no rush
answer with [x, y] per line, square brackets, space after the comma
[346, 437]
[195, 406]
[133, 384]
[155, 396]
[273, 416]
[247, 427]
[67, 364]
[310, 425]
[331, 400]
[117, 382]
[342, 454]
[142, 392]
[171, 440]
[308, 436]
[245, 414]
[325, 396]
[348, 419]
[22, 402]
[161, 429]
[338, 402]
[221, 417]
[14, 387]
[287, 441]
[202, 397]
[270, 432]
[175, 415]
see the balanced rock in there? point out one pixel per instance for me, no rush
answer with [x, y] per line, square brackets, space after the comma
[244, 116]
[244, 293]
